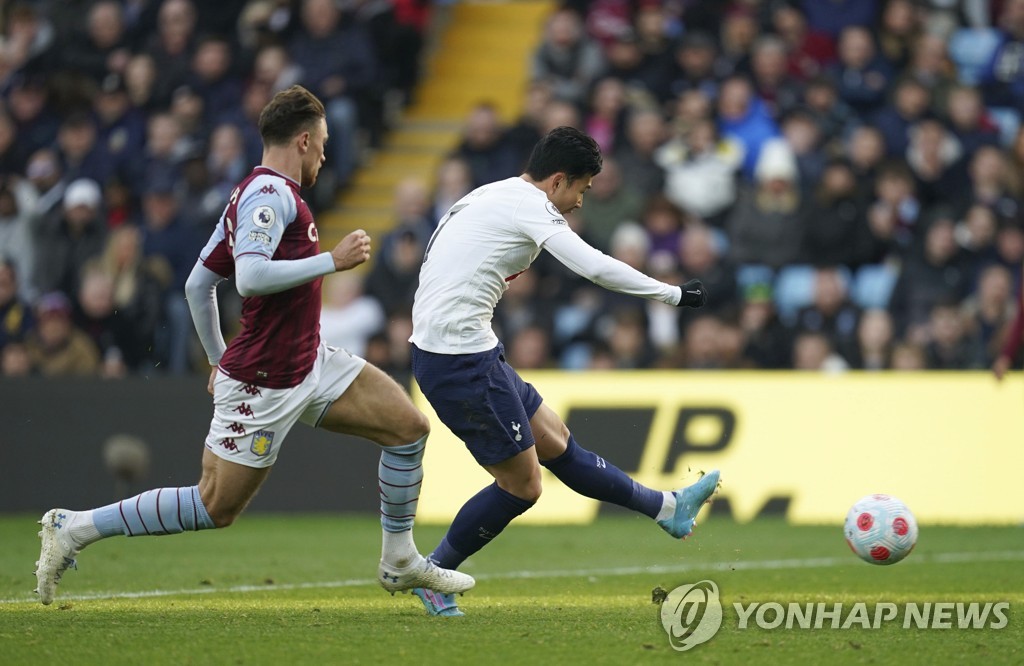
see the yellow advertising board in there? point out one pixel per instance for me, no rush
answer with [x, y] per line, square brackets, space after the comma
[950, 445]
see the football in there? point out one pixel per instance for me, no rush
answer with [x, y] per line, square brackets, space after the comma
[880, 529]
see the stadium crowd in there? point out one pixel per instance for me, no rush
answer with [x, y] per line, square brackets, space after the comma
[845, 176]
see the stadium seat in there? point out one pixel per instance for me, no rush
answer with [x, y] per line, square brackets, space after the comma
[873, 284]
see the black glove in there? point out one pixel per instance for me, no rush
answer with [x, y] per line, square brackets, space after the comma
[694, 294]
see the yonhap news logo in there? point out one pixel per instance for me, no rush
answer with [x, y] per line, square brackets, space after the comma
[692, 614]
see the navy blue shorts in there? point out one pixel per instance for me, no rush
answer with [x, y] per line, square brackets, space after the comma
[481, 399]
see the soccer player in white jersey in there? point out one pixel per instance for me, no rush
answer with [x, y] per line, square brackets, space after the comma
[276, 371]
[483, 242]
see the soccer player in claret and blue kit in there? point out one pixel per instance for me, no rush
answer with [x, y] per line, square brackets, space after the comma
[275, 372]
[483, 242]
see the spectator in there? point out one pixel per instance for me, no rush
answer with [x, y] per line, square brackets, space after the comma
[273, 67]
[908, 357]
[772, 83]
[768, 342]
[700, 171]
[28, 104]
[862, 75]
[56, 347]
[931, 275]
[742, 116]
[349, 317]
[898, 32]
[627, 62]
[910, 103]
[454, 181]
[994, 183]
[968, 119]
[168, 239]
[606, 118]
[803, 135]
[766, 227]
[226, 162]
[526, 131]
[831, 313]
[701, 256]
[102, 48]
[15, 360]
[338, 65]
[172, 47]
[931, 67]
[484, 148]
[395, 273]
[831, 18]
[17, 205]
[893, 216]
[663, 222]
[213, 78]
[67, 238]
[866, 150]
[12, 160]
[610, 201]
[701, 348]
[737, 33]
[120, 127]
[645, 132]
[16, 317]
[988, 314]
[808, 53]
[934, 156]
[976, 234]
[81, 155]
[837, 230]
[1002, 80]
[95, 314]
[948, 347]
[874, 341]
[693, 68]
[814, 352]
[566, 59]
[530, 348]
[835, 117]
[140, 80]
[627, 340]
[138, 286]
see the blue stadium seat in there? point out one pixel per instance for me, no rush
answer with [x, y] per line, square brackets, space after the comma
[971, 49]
[873, 284]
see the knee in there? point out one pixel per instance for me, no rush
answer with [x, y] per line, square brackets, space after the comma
[221, 513]
[413, 427]
[525, 488]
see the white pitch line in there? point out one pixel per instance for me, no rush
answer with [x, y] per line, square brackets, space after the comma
[755, 565]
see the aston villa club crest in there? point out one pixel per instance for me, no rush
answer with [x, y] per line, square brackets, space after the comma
[262, 441]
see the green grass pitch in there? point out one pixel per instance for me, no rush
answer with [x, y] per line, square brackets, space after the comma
[297, 590]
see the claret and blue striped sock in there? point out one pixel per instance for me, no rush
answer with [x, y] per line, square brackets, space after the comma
[154, 512]
[400, 475]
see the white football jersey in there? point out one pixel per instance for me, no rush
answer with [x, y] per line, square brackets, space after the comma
[485, 240]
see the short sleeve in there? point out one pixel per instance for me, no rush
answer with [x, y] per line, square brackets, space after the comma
[539, 219]
[265, 209]
[215, 255]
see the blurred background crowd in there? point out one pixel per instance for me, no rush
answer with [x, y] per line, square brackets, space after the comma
[845, 176]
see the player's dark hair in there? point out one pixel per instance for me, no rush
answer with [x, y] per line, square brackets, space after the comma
[292, 111]
[566, 150]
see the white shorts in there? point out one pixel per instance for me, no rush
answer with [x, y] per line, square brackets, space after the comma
[250, 422]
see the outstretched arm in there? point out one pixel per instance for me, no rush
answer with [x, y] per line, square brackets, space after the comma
[258, 275]
[610, 273]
